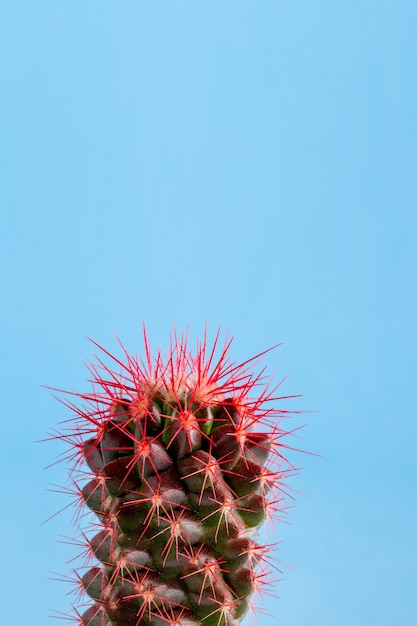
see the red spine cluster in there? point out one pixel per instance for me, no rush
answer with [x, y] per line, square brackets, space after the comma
[185, 456]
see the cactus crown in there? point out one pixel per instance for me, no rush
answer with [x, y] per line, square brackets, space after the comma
[185, 461]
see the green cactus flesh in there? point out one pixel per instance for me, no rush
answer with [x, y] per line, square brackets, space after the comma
[183, 468]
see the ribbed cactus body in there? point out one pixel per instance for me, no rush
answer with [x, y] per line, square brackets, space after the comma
[184, 466]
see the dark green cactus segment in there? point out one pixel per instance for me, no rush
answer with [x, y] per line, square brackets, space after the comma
[135, 560]
[103, 545]
[96, 496]
[258, 448]
[253, 509]
[131, 512]
[184, 434]
[241, 609]
[245, 477]
[226, 413]
[199, 571]
[236, 551]
[241, 581]
[92, 454]
[116, 441]
[164, 492]
[215, 605]
[149, 423]
[226, 446]
[180, 470]
[151, 457]
[120, 475]
[200, 472]
[95, 616]
[94, 582]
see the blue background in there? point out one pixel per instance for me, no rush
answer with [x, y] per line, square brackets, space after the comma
[248, 164]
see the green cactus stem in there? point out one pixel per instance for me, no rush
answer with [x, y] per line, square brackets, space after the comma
[185, 461]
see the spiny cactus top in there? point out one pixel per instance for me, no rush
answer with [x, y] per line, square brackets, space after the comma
[185, 461]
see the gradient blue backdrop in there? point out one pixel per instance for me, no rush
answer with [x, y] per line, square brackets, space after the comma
[252, 164]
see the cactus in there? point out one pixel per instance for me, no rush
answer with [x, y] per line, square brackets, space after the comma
[185, 462]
